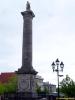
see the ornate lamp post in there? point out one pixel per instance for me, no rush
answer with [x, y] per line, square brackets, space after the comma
[57, 66]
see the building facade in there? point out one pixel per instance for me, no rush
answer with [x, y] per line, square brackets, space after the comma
[45, 85]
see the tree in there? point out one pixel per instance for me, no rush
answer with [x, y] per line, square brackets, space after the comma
[10, 86]
[38, 89]
[2, 88]
[67, 86]
[46, 90]
[41, 91]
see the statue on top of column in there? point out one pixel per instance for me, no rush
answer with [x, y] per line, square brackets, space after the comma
[28, 6]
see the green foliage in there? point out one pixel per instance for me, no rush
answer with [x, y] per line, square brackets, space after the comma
[68, 86]
[9, 87]
[12, 85]
[2, 88]
[46, 90]
[38, 89]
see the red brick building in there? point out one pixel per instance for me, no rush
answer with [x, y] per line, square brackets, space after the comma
[5, 77]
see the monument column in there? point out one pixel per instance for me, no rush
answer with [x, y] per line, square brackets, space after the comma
[27, 37]
[27, 42]
[26, 74]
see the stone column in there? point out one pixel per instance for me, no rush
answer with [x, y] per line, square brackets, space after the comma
[27, 42]
[26, 74]
[27, 38]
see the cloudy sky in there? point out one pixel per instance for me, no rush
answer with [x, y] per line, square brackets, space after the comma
[53, 36]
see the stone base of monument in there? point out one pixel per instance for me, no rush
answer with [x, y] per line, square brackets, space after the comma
[26, 83]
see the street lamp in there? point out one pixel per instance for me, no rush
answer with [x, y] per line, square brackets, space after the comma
[57, 66]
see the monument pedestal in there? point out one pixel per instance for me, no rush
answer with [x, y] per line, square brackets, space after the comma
[26, 83]
[26, 87]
